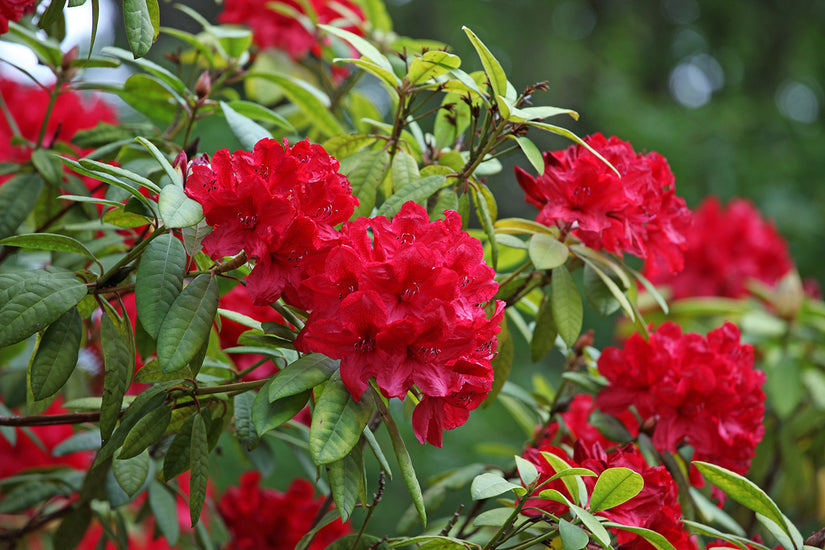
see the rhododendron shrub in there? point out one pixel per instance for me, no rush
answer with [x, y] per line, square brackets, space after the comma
[295, 266]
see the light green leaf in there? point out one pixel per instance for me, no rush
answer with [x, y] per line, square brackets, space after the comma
[520, 225]
[615, 486]
[344, 145]
[366, 49]
[146, 431]
[498, 80]
[654, 538]
[526, 470]
[416, 191]
[256, 111]
[404, 170]
[531, 152]
[56, 355]
[174, 83]
[484, 206]
[384, 75]
[301, 375]
[488, 485]
[18, 197]
[177, 209]
[571, 136]
[566, 304]
[337, 422]
[159, 281]
[572, 537]
[109, 178]
[199, 455]
[598, 531]
[547, 252]
[48, 164]
[245, 129]
[539, 113]
[493, 518]
[574, 486]
[365, 170]
[174, 175]
[430, 65]
[131, 473]
[187, 324]
[47, 49]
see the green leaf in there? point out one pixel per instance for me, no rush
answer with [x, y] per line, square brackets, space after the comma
[405, 465]
[347, 480]
[614, 487]
[493, 518]
[531, 152]
[572, 537]
[47, 49]
[574, 486]
[159, 281]
[177, 459]
[365, 170]
[48, 164]
[337, 422]
[27, 495]
[366, 49]
[131, 473]
[488, 485]
[538, 113]
[597, 293]
[416, 191]
[177, 209]
[743, 491]
[311, 101]
[165, 511]
[498, 80]
[654, 538]
[547, 252]
[573, 137]
[49, 241]
[598, 531]
[139, 29]
[612, 288]
[566, 304]
[199, 455]
[526, 470]
[267, 416]
[301, 375]
[187, 324]
[234, 41]
[35, 300]
[146, 431]
[484, 205]
[256, 111]
[119, 362]
[344, 145]
[18, 197]
[106, 177]
[245, 129]
[430, 65]
[545, 332]
[404, 170]
[381, 73]
[53, 12]
[56, 355]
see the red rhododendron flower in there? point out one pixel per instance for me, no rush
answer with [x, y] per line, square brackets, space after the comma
[638, 213]
[13, 10]
[700, 391]
[656, 507]
[726, 247]
[575, 425]
[266, 518]
[273, 29]
[401, 301]
[277, 203]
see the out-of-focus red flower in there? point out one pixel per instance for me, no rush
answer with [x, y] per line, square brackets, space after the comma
[279, 204]
[272, 29]
[402, 301]
[28, 454]
[656, 507]
[700, 391]
[238, 300]
[13, 10]
[266, 518]
[726, 247]
[638, 213]
[577, 426]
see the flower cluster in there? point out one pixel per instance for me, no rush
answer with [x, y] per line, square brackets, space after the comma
[273, 29]
[575, 425]
[279, 204]
[638, 213]
[726, 247]
[402, 301]
[656, 507]
[266, 518]
[13, 10]
[700, 391]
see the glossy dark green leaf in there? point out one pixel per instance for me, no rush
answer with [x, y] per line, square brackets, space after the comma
[615, 486]
[165, 511]
[347, 480]
[177, 209]
[365, 170]
[141, 21]
[146, 431]
[547, 252]
[267, 416]
[199, 454]
[131, 473]
[35, 300]
[56, 355]
[337, 422]
[244, 427]
[159, 281]
[188, 322]
[244, 128]
[177, 458]
[301, 375]
[544, 333]
[18, 197]
[566, 303]
[119, 363]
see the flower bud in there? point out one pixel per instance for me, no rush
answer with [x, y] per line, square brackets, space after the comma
[203, 86]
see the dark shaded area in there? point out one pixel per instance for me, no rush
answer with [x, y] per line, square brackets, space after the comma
[730, 92]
